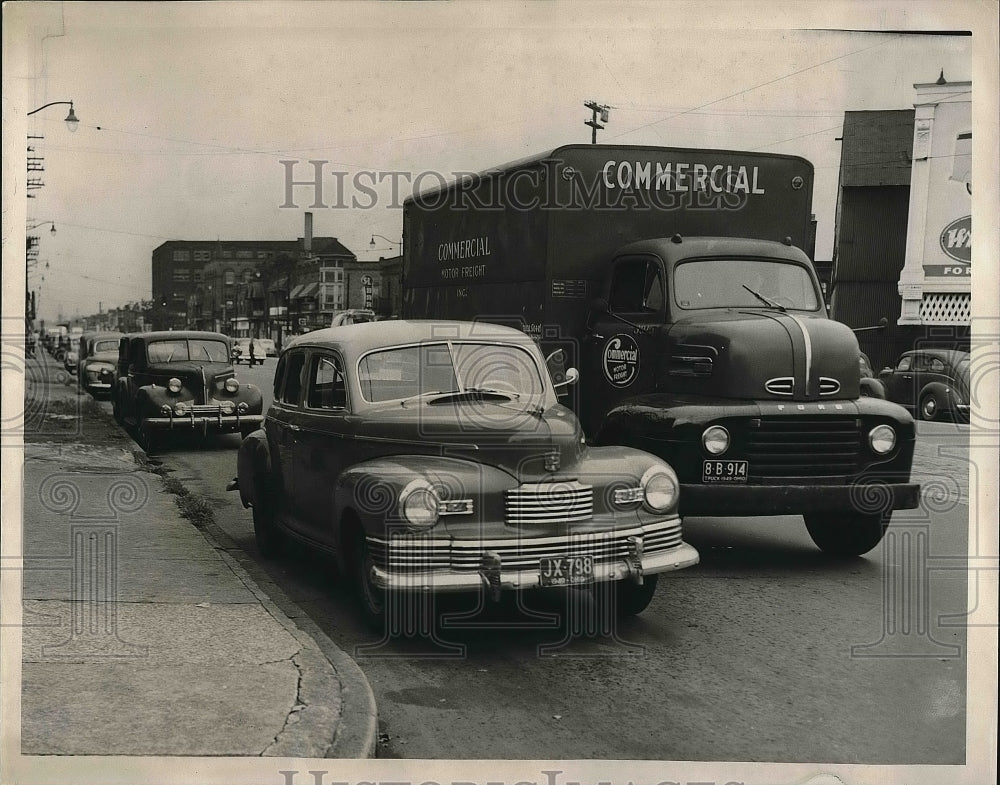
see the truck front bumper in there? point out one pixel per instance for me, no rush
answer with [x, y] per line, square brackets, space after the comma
[720, 500]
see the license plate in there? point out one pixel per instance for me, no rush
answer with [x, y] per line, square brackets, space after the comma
[725, 471]
[566, 570]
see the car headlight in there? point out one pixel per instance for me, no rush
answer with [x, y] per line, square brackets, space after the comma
[174, 385]
[882, 439]
[231, 385]
[419, 504]
[715, 440]
[227, 407]
[659, 487]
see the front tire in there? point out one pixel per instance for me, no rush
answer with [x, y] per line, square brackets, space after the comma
[844, 535]
[150, 440]
[371, 599]
[266, 533]
[632, 599]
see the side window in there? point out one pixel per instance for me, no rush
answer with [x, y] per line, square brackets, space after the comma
[905, 363]
[326, 383]
[293, 378]
[279, 375]
[637, 287]
[935, 365]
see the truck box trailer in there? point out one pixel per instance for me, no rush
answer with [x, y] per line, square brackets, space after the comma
[676, 281]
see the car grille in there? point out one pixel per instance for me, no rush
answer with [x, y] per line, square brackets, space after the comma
[788, 447]
[549, 502]
[412, 553]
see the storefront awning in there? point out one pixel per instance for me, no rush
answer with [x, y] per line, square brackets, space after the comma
[305, 290]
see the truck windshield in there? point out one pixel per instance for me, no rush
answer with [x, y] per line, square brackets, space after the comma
[732, 283]
[409, 371]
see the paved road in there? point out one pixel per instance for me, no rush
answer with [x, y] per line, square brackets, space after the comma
[767, 651]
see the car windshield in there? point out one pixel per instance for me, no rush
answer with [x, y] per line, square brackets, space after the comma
[105, 346]
[405, 372]
[743, 283]
[192, 349]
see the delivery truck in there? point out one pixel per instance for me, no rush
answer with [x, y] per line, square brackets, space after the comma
[677, 282]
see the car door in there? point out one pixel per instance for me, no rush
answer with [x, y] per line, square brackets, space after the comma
[899, 384]
[619, 348]
[283, 425]
[322, 448]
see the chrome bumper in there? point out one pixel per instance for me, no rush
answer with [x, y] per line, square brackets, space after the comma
[219, 422]
[495, 577]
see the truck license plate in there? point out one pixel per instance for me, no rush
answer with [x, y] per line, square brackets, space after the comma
[725, 471]
[566, 570]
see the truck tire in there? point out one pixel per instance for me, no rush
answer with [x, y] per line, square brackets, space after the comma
[844, 535]
[266, 533]
[930, 407]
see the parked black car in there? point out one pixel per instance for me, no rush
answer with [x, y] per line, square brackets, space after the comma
[933, 383]
[435, 457]
[98, 356]
[171, 382]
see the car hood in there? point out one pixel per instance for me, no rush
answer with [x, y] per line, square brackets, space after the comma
[525, 443]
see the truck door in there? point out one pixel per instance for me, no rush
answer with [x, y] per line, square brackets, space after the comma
[620, 345]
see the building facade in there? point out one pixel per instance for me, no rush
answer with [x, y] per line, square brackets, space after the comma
[885, 266]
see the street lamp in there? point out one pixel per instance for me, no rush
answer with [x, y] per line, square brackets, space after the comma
[71, 119]
[42, 223]
[382, 236]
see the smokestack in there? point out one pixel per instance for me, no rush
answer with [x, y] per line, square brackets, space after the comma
[309, 233]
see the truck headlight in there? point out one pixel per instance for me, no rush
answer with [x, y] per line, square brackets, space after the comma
[174, 385]
[715, 440]
[659, 487]
[227, 407]
[231, 385]
[419, 504]
[882, 439]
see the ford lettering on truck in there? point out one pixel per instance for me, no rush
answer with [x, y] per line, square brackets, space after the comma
[695, 318]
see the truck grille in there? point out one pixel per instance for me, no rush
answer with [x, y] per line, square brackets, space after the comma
[549, 502]
[787, 447]
[412, 553]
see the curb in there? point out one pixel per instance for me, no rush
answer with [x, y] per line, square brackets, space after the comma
[322, 665]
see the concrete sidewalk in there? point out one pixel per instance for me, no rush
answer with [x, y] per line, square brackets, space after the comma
[141, 636]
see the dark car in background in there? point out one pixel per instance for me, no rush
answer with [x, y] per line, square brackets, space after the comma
[181, 382]
[933, 383]
[98, 356]
[436, 457]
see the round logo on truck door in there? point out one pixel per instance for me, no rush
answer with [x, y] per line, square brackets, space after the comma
[621, 360]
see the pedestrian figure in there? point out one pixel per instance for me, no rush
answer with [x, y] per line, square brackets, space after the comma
[252, 358]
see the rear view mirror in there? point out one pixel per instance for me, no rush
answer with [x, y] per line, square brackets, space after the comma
[571, 376]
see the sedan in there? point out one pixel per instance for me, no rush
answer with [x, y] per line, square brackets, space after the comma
[436, 457]
[933, 383]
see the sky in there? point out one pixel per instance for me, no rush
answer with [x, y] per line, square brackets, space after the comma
[187, 110]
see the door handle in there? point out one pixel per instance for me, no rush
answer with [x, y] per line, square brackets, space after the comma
[295, 428]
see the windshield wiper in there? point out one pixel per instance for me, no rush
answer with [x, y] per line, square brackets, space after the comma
[768, 302]
[491, 391]
[425, 393]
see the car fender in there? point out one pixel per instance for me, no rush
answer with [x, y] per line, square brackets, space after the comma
[872, 388]
[944, 392]
[253, 463]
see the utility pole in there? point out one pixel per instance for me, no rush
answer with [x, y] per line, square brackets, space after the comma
[596, 109]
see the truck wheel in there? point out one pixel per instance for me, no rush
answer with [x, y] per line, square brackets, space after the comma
[266, 533]
[631, 599]
[845, 535]
[930, 408]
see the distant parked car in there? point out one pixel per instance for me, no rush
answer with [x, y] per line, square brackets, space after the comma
[175, 382]
[353, 316]
[241, 352]
[435, 457]
[933, 383]
[98, 357]
[870, 386]
[270, 350]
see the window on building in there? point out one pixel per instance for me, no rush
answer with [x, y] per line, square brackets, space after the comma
[230, 277]
[261, 254]
[244, 253]
[182, 256]
[182, 275]
[227, 253]
[247, 275]
[203, 256]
